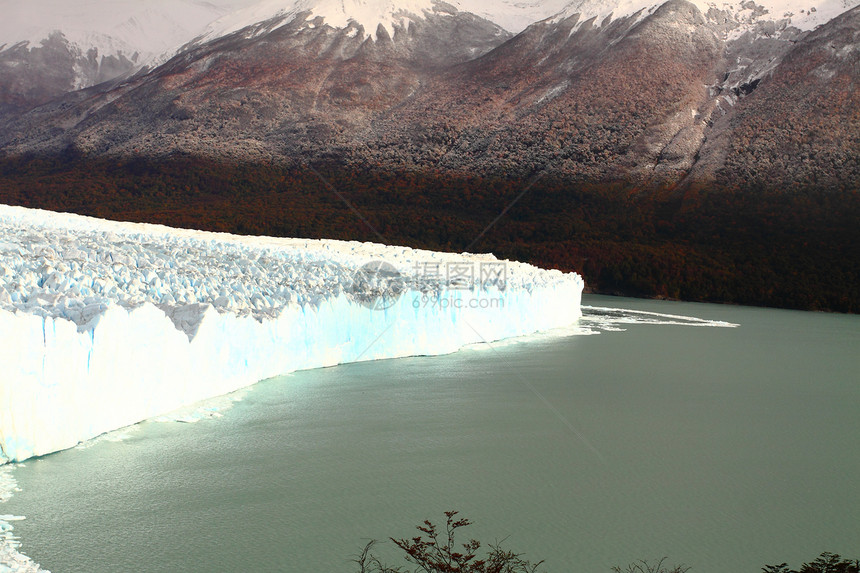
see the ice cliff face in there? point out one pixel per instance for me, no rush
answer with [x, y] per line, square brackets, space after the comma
[106, 324]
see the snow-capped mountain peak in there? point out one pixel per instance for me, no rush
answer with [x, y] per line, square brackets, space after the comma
[148, 28]
[801, 14]
[512, 15]
[369, 14]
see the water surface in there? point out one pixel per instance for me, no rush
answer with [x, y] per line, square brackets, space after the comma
[725, 448]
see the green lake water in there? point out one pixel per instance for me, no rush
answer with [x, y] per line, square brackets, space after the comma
[722, 447]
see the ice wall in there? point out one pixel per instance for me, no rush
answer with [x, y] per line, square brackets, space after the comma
[106, 324]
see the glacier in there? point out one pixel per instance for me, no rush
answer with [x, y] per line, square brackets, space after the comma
[106, 324]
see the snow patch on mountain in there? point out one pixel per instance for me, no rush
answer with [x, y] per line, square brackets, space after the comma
[156, 29]
[369, 14]
[148, 28]
[801, 14]
[512, 15]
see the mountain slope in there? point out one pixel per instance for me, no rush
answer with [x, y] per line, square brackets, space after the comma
[570, 98]
[247, 92]
[800, 129]
[50, 47]
[647, 96]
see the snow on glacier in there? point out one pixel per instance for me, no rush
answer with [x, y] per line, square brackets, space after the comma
[105, 324]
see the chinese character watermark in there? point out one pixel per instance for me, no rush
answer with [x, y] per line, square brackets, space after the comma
[460, 276]
[464, 275]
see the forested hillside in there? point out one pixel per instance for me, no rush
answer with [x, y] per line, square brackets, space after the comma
[792, 250]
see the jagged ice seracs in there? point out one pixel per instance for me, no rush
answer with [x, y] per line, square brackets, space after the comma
[106, 324]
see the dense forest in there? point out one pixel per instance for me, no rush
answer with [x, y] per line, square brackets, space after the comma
[792, 249]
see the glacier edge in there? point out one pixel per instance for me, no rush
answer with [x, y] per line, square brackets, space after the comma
[68, 377]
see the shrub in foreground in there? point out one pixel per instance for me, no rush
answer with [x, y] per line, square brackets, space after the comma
[435, 551]
[825, 563]
[646, 567]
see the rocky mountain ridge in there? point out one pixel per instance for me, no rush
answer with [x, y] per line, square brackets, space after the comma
[659, 97]
[51, 47]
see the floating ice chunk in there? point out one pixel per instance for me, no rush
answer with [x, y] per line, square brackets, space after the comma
[11, 560]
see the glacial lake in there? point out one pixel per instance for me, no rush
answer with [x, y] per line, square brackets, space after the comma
[638, 436]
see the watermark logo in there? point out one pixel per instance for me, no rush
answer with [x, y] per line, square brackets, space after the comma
[493, 273]
[378, 285]
[476, 277]
[443, 302]
[464, 275]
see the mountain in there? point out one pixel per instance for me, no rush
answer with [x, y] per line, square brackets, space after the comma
[643, 98]
[800, 129]
[581, 105]
[245, 92]
[654, 95]
[50, 47]
[675, 149]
